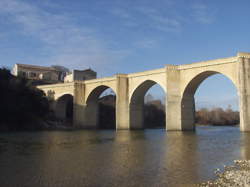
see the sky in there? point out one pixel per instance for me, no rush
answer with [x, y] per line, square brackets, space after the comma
[117, 36]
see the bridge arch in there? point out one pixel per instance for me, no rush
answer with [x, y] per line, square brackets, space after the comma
[188, 101]
[92, 111]
[136, 104]
[135, 81]
[64, 107]
[57, 96]
[94, 88]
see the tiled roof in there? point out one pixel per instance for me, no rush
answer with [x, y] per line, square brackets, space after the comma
[36, 67]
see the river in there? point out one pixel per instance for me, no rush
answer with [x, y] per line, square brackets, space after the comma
[118, 158]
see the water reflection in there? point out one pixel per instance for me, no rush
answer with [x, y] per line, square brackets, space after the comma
[118, 158]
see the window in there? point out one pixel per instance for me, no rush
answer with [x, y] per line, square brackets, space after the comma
[22, 73]
[32, 74]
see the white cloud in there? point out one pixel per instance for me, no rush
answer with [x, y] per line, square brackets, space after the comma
[152, 17]
[202, 14]
[121, 13]
[80, 46]
[166, 24]
[146, 43]
[69, 44]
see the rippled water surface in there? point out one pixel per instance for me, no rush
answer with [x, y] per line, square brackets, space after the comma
[118, 158]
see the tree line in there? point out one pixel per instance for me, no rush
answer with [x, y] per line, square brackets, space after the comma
[217, 116]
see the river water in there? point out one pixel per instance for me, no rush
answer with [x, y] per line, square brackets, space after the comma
[118, 158]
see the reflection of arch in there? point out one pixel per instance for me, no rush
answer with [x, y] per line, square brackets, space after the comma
[64, 107]
[188, 102]
[136, 114]
[92, 106]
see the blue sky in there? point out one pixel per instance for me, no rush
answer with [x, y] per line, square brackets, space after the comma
[117, 36]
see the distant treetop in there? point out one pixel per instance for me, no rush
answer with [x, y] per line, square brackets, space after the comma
[61, 68]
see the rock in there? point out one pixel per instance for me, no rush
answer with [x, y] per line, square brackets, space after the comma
[232, 176]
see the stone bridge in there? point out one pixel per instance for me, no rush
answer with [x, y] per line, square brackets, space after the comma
[179, 82]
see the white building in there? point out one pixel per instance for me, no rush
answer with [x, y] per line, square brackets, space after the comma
[37, 72]
[54, 74]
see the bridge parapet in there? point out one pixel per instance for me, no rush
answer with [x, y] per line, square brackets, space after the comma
[47, 86]
[55, 91]
[207, 63]
[146, 73]
[172, 67]
[243, 54]
[104, 79]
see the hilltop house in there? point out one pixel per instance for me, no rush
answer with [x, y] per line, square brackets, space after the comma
[80, 75]
[34, 72]
[55, 74]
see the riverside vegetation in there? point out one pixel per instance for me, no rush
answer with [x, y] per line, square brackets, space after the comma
[22, 105]
[217, 116]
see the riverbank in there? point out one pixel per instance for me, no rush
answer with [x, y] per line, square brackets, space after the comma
[232, 176]
[57, 125]
[41, 125]
[212, 125]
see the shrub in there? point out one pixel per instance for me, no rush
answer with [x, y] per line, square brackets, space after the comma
[21, 105]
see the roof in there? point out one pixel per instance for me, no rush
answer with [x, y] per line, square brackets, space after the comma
[37, 67]
[85, 70]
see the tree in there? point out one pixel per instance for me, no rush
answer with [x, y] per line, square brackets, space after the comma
[22, 105]
[61, 68]
[217, 116]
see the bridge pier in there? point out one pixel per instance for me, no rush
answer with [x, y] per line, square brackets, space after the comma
[79, 114]
[188, 112]
[244, 91]
[122, 103]
[173, 113]
[173, 99]
[180, 107]
[85, 114]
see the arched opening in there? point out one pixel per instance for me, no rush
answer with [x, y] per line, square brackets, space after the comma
[64, 107]
[210, 98]
[101, 108]
[147, 106]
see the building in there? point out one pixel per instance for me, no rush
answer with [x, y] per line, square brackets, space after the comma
[80, 75]
[39, 73]
[55, 74]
